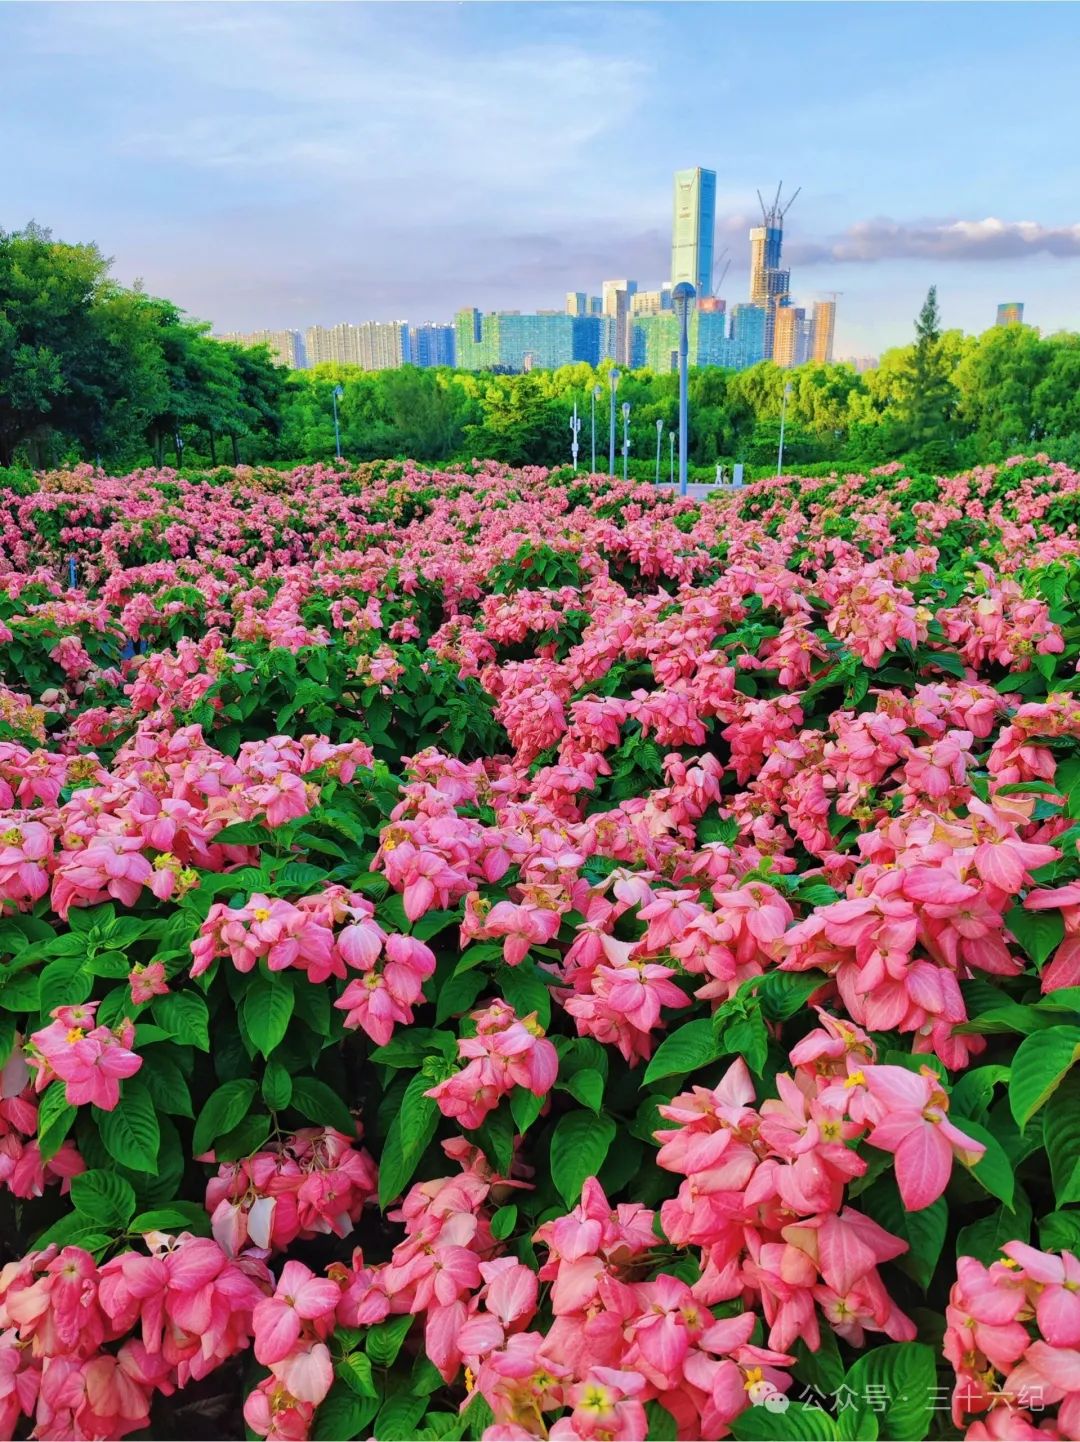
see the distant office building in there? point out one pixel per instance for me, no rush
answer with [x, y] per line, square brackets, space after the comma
[476, 340]
[770, 284]
[692, 228]
[788, 335]
[617, 296]
[586, 338]
[577, 302]
[711, 344]
[823, 327]
[610, 291]
[650, 302]
[286, 346]
[654, 338]
[432, 344]
[747, 335]
[596, 305]
[1011, 313]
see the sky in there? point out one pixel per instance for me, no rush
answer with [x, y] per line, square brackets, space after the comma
[273, 166]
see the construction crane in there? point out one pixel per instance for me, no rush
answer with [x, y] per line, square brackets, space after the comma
[773, 216]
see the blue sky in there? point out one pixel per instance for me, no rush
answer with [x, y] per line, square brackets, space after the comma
[281, 165]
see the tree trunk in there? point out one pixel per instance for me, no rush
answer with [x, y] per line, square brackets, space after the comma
[213, 449]
[159, 450]
[235, 449]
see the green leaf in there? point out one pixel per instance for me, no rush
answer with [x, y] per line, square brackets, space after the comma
[525, 1107]
[588, 1087]
[524, 988]
[224, 1109]
[458, 993]
[662, 1425]
[268, 1008]
[176, 1217]
[103, 1198]
[503, 1222]
[904, 1375]
[993, 1171]
[924, 1231]
[185, 1015]
[432, 922]
[55, 1118]
[276, 1086]
[65, 982]
[476, 955]
[343, 1416]
[130, 1131]
[398, 1417]
[985, 1238]
[322, 1105]
[691, 1046]
[355, 1371]
[410, 1133]
[1061, 1135]
[578, 1148]
[1038, 932]
[244, 1139]
[21, 992]
[1040, 1064]
[166, 1083]
[411, 1046]
[791, 1420]
[383, 1342]
[496, 1139]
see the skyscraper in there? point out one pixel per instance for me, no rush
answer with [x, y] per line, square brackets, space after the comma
[769, 284]
[576, 302]
[1011, 313]
[616, 298]
[824, 324]
[692, 227]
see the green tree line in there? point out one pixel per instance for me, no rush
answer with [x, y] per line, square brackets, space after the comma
[90, 369]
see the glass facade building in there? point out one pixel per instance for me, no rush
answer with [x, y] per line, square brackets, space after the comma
[692, 228]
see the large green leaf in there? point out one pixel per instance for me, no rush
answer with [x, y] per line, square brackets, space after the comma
[1038, 932]
[103, 1198]
[1061, 1133]
[224, 1109]
[778, 1420]
[130, 1132]
[691, 1046]
[268, 1008]
[410, 1132]
[1040, 1064]
[903, 1375]
[578, 1148]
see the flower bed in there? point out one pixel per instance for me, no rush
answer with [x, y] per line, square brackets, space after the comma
[508, 955]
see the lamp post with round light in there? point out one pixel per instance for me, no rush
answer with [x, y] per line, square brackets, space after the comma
[575, 427]
[613, 382]
[682, 299]
[625, 435]
[659, 434]
[597, 392]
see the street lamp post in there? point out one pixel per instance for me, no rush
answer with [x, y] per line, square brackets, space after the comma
[179, 440]
[682, 298]
[625, 435]
[597, 392]
[783, 416]
[613, 381]
[671, 456]
[575, 427]
[337, 391]
[659, 434]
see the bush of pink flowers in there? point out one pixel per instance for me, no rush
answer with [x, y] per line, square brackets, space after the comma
[502, 954]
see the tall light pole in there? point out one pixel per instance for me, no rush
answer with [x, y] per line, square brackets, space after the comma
[575, 427]
[682, 298]
[625, 435]
[783, 416]
[613, 381]
[659, 434]
[337, 391]
[671, 456]
[597, 392]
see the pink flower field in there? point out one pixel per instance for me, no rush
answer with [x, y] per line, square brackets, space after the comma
[504, 954]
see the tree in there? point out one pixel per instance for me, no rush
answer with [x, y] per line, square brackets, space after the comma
[928, 397]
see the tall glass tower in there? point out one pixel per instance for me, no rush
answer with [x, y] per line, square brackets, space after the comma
[693, 224]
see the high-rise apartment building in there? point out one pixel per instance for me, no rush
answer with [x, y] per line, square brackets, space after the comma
[769, 283]
[373, 345]
[522, 341]
[432, 344]
[823, 327]
[692, 228]
[1011, 313]
[617, 296]
[286, 346]
[789, 335]
[577, 302]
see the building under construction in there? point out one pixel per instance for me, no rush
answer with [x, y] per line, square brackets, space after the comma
[770, 284]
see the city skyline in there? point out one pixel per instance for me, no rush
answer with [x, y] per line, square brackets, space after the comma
[278, 173]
